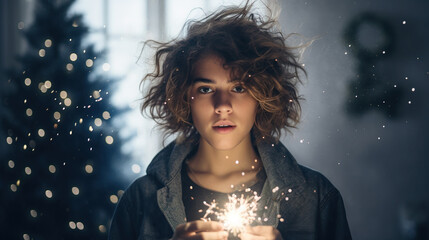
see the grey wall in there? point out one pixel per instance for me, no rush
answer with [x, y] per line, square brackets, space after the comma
[378, 178]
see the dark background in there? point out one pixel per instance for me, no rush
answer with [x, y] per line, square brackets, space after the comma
[384, 182]
[379, 160]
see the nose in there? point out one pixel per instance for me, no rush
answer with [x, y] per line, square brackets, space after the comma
[222, 103]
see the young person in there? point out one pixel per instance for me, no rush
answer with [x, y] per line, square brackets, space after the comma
[228, 89]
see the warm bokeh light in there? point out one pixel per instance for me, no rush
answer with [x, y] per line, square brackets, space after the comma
[63, 94]
[41, 132]
[27, 170]
[48, 43]
[48, 84]
[42, 52]
[57, 115]
[96, 94]
[114, 199]
[48, 193]
[72, 225]
[106, 115]
[29, 112]
[11, 164]
[67, 102]
[89, 63]
[27, 82]
[75, 190]
[89, 168]
[80, 225]
[73, 57]
[69, 67]
[109, 139]
[98, 122]
[102, 228]
[52, 169]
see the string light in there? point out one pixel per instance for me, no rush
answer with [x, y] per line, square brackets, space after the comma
[80, 225]
[73, 57]
[114, 199]
[75, 191]
[41, 132]
[96, 94]
[42, 52]
[48, 193]
[57, 115]
[72, 225]
[109, 140]
[48, 43]
[102, 228]
[11, 164]
[27, 170]
[29, 112]
[98, 122]
[89, 63]
[63, 94]
[48, 84]
[89, 168]
[69, 67]
[42, 87]
[13, 188]
[27, 82]
[67, 102]
[106, 115]
[33, 213]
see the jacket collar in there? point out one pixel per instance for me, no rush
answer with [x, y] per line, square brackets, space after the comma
[283, 171]
[283, 175]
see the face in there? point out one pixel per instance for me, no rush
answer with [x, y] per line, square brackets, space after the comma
[223, 112]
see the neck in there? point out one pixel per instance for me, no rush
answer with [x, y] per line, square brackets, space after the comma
[241, 158]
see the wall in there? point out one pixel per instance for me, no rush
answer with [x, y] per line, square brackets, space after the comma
[379, 163]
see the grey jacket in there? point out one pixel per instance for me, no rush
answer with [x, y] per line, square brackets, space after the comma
[299, 202]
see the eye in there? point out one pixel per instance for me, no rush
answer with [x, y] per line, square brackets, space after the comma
[239, 89]
[204, 90]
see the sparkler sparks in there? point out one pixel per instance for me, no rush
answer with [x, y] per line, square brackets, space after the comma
[237, 214]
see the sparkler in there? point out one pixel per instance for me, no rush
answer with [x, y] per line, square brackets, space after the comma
[237, 214]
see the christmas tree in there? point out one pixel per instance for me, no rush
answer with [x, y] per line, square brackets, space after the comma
[58, 178]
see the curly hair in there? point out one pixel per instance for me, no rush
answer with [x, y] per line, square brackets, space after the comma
[257, 56]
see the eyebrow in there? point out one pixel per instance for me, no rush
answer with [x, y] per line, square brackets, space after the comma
[203, 80]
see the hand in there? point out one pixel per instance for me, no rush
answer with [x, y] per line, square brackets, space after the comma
[200, 230]
[261, 232]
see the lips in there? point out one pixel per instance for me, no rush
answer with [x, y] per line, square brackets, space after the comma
[224, 126]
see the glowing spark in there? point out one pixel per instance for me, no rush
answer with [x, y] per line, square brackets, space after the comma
[238, 213]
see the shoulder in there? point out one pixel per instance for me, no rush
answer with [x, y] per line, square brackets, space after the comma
[320, 185]
[141, 189]
[317, 179]
[331, 216]
[136, 204]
